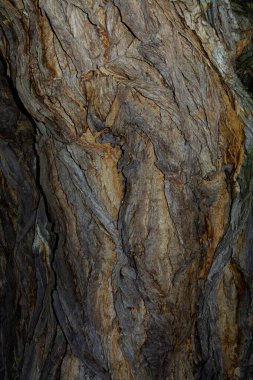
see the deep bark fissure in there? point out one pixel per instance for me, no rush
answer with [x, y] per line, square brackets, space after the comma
[6, 341]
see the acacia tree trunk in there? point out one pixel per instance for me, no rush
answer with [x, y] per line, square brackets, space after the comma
[126, 190]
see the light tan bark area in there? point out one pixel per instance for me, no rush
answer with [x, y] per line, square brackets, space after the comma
[143, 138]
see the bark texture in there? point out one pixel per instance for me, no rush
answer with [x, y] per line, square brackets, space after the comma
[126, 216]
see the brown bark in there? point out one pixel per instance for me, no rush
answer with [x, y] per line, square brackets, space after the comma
[126, 228]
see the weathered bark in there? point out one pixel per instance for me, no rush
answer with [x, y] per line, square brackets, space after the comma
[127, 200]
[30, 336]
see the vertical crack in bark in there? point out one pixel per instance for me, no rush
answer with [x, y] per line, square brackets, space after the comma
[28, 264]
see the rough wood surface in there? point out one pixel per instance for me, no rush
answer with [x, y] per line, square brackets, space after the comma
[126, 228]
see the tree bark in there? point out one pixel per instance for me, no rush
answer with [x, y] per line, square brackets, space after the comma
[126, 173]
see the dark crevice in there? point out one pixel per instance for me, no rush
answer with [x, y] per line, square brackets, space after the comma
[244, 68]
[22, 144]
[16, 98]
[124, 23]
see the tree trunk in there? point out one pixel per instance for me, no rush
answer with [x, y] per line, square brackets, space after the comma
[126, 190]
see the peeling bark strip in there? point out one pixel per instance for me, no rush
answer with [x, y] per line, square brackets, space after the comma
[126, 231]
